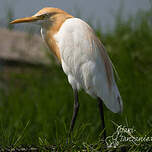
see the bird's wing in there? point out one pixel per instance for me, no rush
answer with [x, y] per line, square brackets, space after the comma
[85, 60]
[109, 91]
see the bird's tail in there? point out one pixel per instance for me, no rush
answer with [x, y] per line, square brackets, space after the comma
[112, 99]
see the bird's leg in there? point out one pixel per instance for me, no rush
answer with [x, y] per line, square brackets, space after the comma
[100, 104]
[75, 112]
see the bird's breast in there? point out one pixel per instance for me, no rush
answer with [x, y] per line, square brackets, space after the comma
[47, 36]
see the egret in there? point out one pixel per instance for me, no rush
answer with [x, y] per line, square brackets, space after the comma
[82, 56]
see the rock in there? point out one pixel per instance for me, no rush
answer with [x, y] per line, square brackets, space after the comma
[24, 47]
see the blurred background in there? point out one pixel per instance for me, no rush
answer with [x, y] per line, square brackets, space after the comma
[36, 101]
[98, 12]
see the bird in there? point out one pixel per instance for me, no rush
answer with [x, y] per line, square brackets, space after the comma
[83, 58]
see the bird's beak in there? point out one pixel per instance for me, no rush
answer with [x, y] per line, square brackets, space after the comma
[26, 19]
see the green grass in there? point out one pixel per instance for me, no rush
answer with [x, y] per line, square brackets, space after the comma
[36, 104]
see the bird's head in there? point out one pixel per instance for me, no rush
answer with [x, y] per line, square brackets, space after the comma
[44, 17]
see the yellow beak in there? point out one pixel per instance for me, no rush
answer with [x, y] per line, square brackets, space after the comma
[25, 19]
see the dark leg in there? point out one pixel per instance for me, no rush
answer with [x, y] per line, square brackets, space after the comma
[100, 102]
[75, 111]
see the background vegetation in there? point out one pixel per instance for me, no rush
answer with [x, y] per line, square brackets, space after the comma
[36, 103]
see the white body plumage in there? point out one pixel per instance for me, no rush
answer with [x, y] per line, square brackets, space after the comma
[83, 63]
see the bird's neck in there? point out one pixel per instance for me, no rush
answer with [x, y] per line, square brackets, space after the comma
[57, 21]
[49, 30]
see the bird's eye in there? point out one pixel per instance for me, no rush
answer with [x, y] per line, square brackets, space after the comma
[44, 16]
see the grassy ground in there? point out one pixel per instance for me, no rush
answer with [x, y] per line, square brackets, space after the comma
[36, 103]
